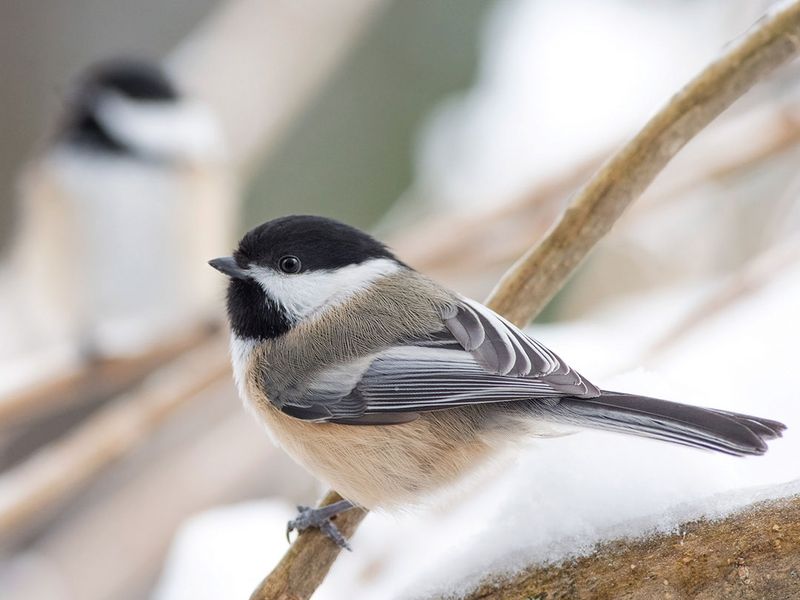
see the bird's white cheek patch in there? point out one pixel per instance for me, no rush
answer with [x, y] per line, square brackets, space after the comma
[180, 129]
[302, 294]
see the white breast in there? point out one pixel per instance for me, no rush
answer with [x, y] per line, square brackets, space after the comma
[241, 353]
[130, 251]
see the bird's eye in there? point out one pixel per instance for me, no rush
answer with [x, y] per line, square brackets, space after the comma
[289, 264]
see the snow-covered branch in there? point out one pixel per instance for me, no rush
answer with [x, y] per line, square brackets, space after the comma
[750, 554]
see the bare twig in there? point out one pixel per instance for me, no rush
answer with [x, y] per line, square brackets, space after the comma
[533, 280]
[308, 560]
[753, 276]
[752, 554]
[218, 458]
[85, 383]
[469, 252]
[42, 481]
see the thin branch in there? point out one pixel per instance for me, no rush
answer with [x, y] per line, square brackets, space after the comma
[752, 277]
[220, 459]
[533, 280]
[56, 471]
[87, 382]
[306, 563]
[539, 274]
[754, 553]
[443, 243]
[468, 252]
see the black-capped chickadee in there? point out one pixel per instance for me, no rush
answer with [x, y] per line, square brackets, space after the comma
[128, 200]
[388, 386]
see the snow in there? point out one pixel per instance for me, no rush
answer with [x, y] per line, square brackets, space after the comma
[228, 549]
[563, 80]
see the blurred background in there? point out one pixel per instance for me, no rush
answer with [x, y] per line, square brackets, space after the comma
[141, 139]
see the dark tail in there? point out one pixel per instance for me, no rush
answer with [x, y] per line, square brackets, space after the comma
[711, 429]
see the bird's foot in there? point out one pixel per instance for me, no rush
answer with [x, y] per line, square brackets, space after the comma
[320, 518]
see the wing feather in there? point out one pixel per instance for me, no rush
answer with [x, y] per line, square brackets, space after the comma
[477, 357]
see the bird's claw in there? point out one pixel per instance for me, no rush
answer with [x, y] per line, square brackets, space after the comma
[308, 517]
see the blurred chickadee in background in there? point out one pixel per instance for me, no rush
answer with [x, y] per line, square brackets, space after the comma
[389, 387]
[120, 212]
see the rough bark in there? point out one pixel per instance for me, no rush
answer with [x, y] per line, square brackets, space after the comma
[308, 560]
[754, 554]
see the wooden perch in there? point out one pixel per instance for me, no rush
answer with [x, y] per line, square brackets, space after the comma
[752, 554]
[88, 382]
[34, 487]
[308, 560]
[533, 280]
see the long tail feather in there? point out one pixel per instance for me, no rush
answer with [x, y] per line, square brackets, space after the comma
[711, 429]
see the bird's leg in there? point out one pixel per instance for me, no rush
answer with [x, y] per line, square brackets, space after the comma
[321, 519]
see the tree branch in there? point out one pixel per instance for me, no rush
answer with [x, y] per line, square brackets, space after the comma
[754, 553]
[85, 383]
[32, 488]
[533, 280]
[467, 251]
[308, 560]
[539, 274]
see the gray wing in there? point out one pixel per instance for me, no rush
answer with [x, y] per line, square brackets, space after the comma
[499, 346]
[477, 357]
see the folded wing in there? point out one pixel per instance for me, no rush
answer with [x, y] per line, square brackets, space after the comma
[476, 357]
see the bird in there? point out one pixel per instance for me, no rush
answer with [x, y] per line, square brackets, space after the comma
[118, 213]
[390, 387]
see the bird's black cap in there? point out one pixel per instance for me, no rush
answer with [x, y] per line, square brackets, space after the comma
[319, 243]
[132, 78]
[137, 79]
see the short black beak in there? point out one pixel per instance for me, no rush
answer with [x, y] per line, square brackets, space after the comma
[227, 265]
